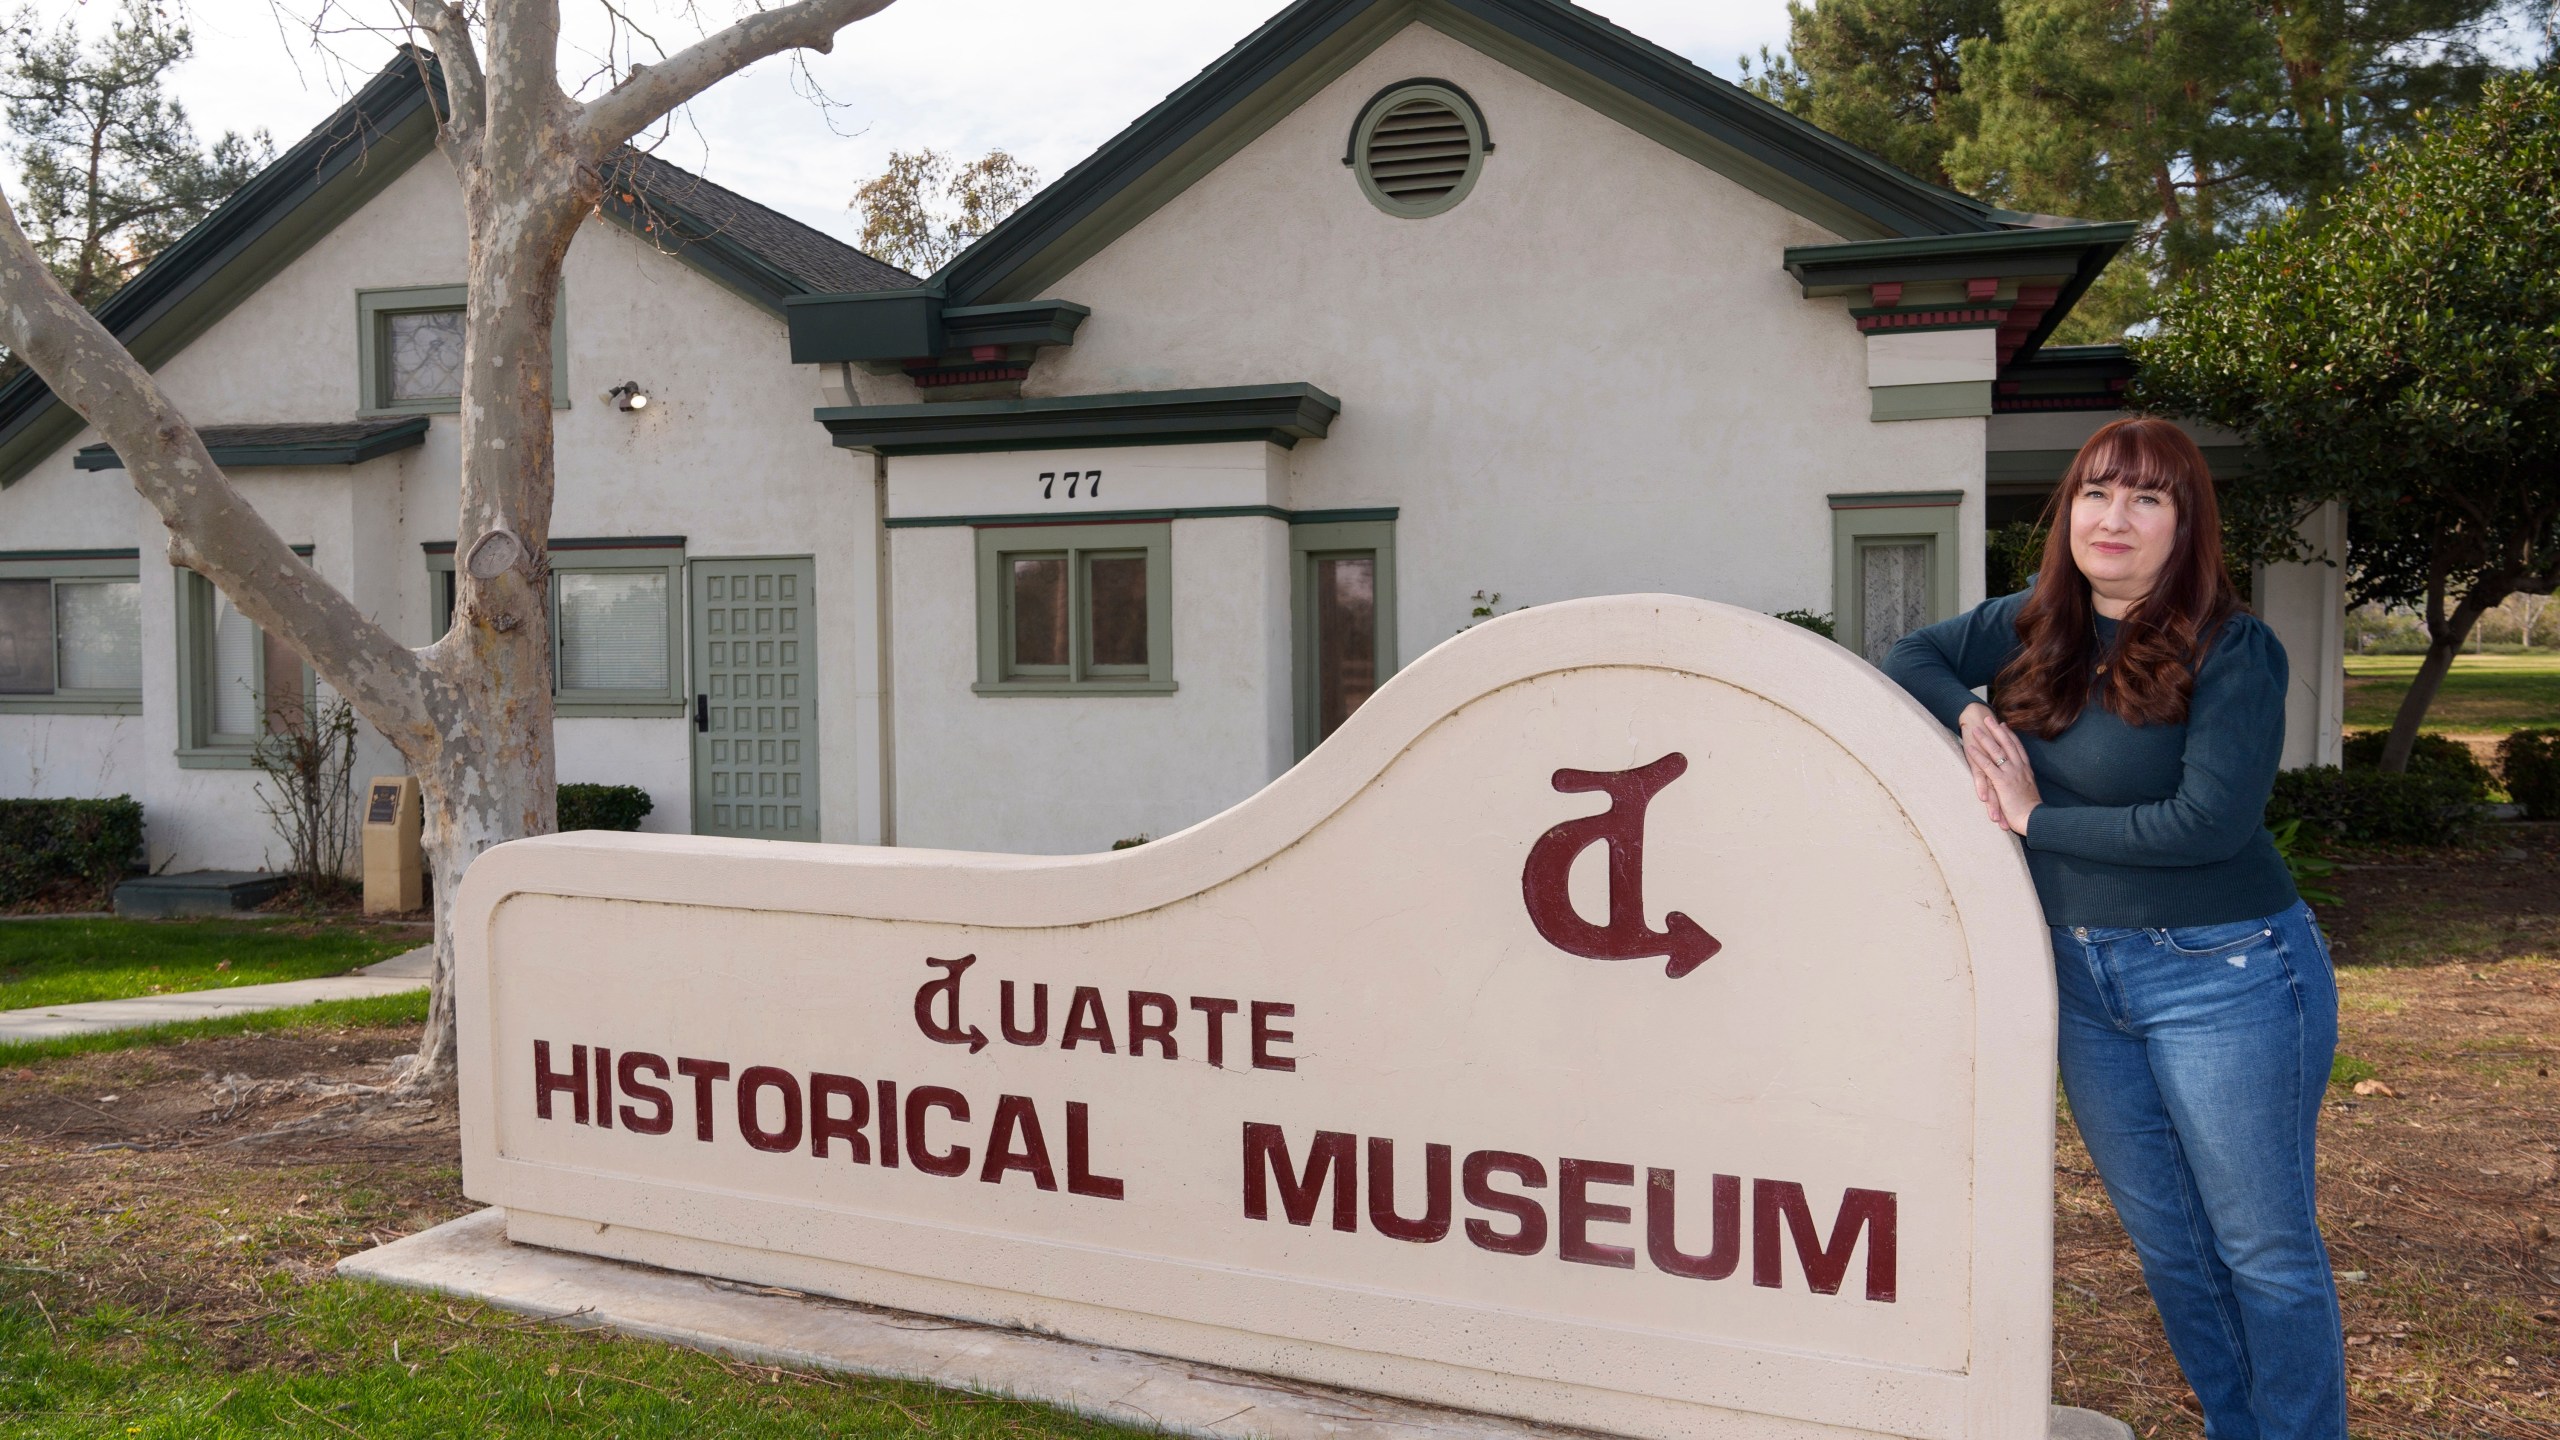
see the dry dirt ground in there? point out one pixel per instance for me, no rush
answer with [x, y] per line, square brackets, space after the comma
[148, 1180]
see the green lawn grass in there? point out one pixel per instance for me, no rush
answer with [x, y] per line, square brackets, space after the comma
[409, 1007]
[62, 962]
[2482, 694]
[387, 1364]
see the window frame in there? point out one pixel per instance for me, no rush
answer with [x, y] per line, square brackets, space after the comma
[1858, 521]
[199, 748]
[374, 309]
[75, 566]
[997, 545]
[582, 556]
[1307, 544]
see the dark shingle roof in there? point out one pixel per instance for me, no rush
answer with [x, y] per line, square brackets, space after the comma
[311, 442]
[703, 211]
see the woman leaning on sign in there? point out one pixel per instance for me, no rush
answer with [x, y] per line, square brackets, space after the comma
[2136, 719]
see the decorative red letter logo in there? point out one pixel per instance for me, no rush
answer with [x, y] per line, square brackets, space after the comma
[1621, 828]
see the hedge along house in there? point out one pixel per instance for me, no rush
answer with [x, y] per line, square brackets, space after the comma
[1398, 305]
[312, 326]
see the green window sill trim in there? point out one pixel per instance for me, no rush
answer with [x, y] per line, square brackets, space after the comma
[1088, 689]
[70, 705]
[217, 757]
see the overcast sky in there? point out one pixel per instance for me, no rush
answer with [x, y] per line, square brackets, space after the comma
[1045, 79]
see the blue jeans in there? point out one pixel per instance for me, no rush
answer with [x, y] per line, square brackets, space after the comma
[2195, 1059]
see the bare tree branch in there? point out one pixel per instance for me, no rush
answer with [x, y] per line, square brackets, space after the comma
[449, 29]
[212, 529]
[651, 91]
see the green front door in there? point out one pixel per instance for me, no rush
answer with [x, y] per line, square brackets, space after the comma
[755, 704]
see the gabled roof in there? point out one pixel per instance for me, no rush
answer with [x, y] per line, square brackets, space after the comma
[1307, 45]
[767, 252]
[349, 158]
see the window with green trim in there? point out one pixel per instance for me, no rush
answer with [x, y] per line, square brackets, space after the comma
[1893, 566]
[71, 635]
[409, 350]
[1342, 591]
[1075, 609]
[237, 684]
[617, 636]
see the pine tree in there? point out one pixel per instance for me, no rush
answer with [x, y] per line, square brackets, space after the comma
[110, 167]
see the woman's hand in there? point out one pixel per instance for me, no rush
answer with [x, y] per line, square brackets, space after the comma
[1967, 723]
[2000, 768]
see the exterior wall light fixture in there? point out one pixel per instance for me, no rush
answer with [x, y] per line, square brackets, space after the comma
[628, 396]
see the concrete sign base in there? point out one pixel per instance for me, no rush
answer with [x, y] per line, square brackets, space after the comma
[1626, 1020]
[473, 1259]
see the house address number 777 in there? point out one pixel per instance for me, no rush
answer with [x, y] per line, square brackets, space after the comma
[1090, 479]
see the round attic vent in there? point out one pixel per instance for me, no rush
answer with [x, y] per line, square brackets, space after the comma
[1417, 147]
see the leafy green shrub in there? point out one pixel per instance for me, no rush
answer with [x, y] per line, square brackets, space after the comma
[2310, 872]
[2011, 555]
[2423, 807]
[603, 807]
[2531, 760]
[1819, 624]
[49, 844]
[2433, 753]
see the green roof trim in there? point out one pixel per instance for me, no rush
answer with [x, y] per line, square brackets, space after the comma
[2048, 249]
[329, 443]
[915, 324]
[1037, 519]
[1312, 42]
[266, 224]
[1280, 414]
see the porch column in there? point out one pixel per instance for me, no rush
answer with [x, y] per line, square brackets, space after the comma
[2306, 605]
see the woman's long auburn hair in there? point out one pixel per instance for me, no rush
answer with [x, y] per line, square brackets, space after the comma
[2164, 637]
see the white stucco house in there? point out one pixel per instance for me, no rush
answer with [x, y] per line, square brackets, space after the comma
[1398, 305]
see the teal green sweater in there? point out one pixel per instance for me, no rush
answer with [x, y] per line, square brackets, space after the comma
[2150, 825]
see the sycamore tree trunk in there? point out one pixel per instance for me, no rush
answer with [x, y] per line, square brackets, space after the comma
[471, 713]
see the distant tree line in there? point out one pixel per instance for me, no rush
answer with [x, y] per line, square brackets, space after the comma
[2200, 118]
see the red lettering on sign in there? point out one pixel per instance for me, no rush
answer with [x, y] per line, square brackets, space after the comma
[1039, 1030]
[663, 1116]
[1481, 1167]
[704, 1074]
[1159, 1029]
[825, 1125]
[1544, 879]
[754, 1080]
[1014, 1142]
[1824, 1265]
[954, 1161]
[1383, 1218]
[1662, 1245]
[1266, 1158]
[1217, 1011]
[1088, 1002]
[1266, 1035]
[604, 1088]
[1081, 1180]
[888, 1113]
[947, 1030]
[547, 1080]
[1576, 1210]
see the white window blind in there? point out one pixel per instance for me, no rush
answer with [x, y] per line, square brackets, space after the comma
[98, 624]
[26, 637]
[235, 670]
[613, 631]
[1893, 594]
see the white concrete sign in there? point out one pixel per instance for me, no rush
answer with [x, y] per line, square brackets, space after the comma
[1627, 1020]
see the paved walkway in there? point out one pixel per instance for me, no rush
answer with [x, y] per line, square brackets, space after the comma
[389, 977]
